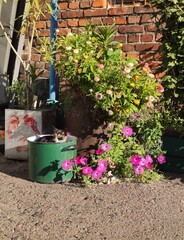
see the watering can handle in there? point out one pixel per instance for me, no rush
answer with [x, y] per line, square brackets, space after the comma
[73, 147]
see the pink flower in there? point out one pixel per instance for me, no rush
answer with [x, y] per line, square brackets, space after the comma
[161, 159]
[101, 168]
[87, 170]
[77, 160]
[138, 169]
[149, 159]
[143, 162]
[149, 166]
[105, 147]
[99, 151]
[127, 131]
[67, 164]
[96, 174]
[101, 66]
[134, 116]
[160, 88]
[135, 159]
[102, 165]
[83, 160]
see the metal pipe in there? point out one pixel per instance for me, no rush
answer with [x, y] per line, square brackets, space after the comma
[52, 79]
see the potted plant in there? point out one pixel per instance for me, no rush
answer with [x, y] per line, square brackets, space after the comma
[29, 115]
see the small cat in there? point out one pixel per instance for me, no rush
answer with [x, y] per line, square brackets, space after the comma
[59, 136]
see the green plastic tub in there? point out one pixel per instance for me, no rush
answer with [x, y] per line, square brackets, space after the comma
[45, 160]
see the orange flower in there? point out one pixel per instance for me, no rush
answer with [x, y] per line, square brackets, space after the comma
[136, 77]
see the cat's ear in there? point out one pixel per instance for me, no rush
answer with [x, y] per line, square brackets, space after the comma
[54, 128]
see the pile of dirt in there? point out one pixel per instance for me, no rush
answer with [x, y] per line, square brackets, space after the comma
[123, 211]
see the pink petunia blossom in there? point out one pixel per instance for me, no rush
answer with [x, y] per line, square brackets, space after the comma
[149, 158]
[77, 160]
[149, 166]
[138, 169]
[127, 131]
[99, 151]
[101, 168]
[102, 165]
[96, 174]
[67, 164]
[143, 162]
[135, 159]
[83, 160]
[105, 147]
[87, 170]
[161, 159]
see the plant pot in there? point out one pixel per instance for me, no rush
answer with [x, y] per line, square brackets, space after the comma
[21, 124]
[174, 147]
[45, 160]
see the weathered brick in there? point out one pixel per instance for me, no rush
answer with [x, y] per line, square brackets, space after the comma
[44, 33]
[131, 29]
[128, 47]
[134, 55]
[147, 47]
[85, 4]
[132, 38]
[148, 56]
[133, 19]
[96, 21]
[83, 22]
[40, 65]
[64, 31]
[41, 24]
[95, 13]
[121, 11]
[120, 20]
[147, 18]
[108, 20]
[150, 28]
[121, 38]
[144, 9]
[158, 56]
[73, 22]
[35, 57]
[158, 36]
[63, 6]
[147, 38]
[62, 23]
[74, 5]
[72, 14]
[99, 3]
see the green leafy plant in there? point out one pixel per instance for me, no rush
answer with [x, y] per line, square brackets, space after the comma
[170, 25]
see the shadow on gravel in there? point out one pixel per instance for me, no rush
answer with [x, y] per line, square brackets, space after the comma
[172, 176]
[14, 168]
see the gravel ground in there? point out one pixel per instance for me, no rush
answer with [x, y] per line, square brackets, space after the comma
[123, 211]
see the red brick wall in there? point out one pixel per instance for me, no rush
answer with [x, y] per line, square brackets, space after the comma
[134, 22]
